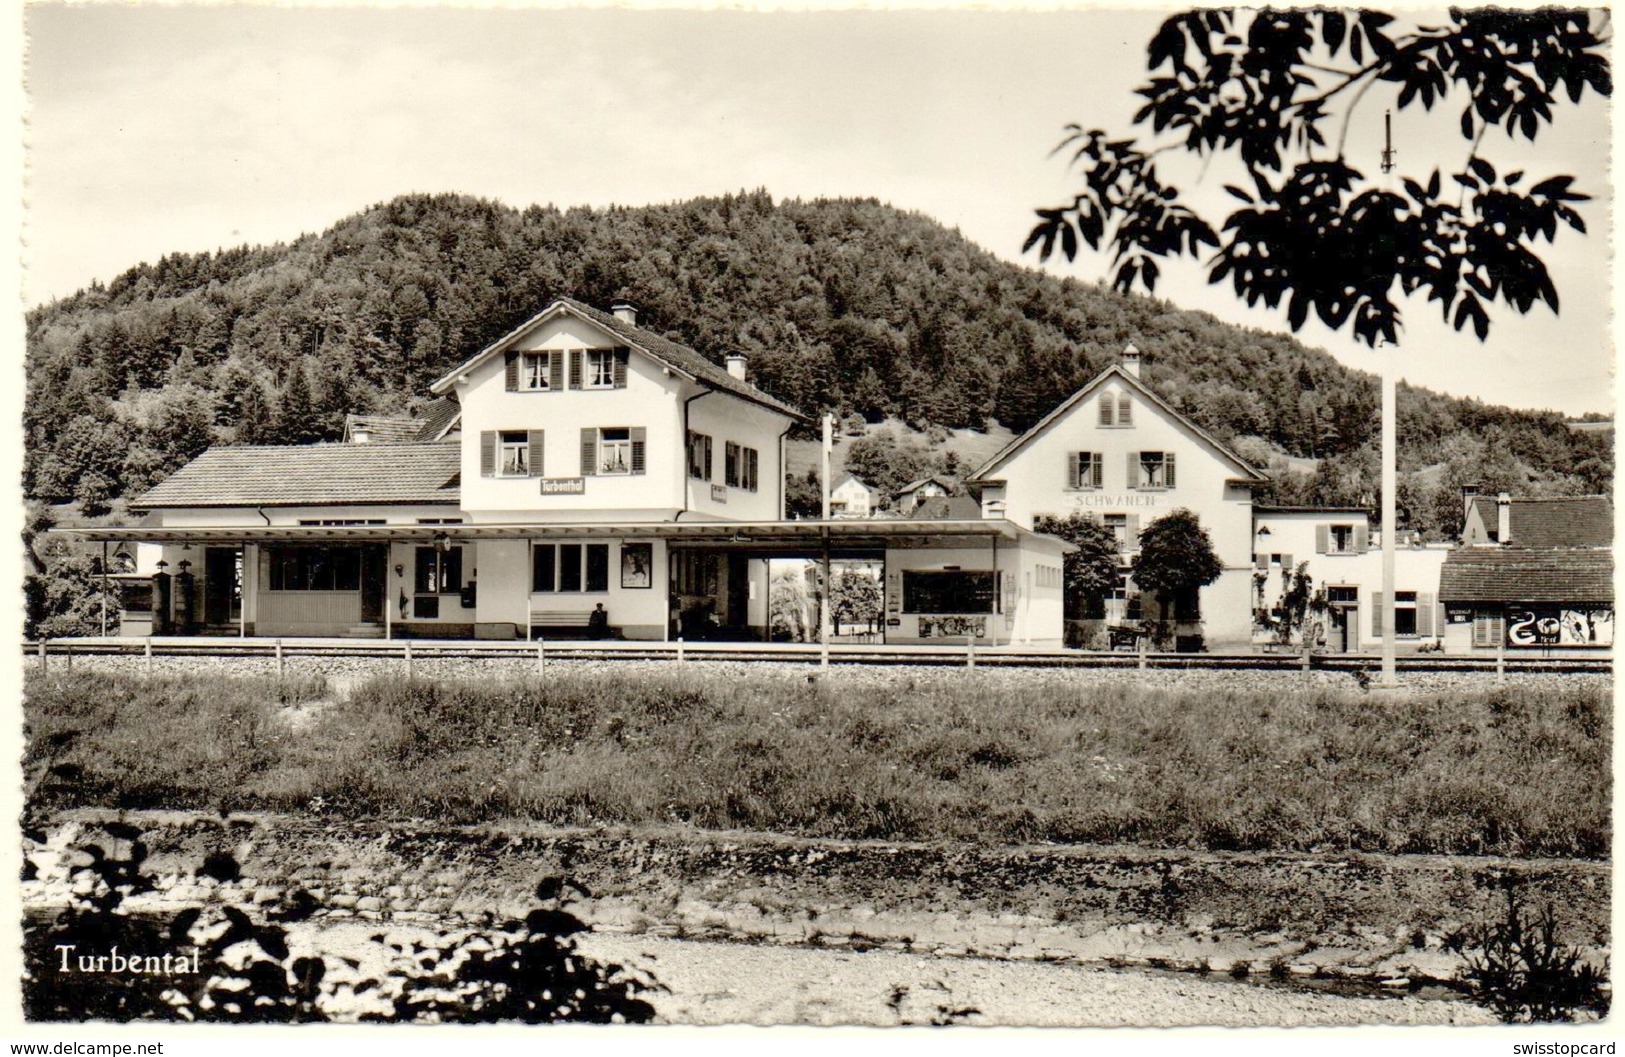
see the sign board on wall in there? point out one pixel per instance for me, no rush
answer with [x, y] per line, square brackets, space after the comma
[564, 486]
[1537, 626]
[719, 493]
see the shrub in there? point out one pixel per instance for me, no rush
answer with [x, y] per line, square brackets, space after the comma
[1518, 968]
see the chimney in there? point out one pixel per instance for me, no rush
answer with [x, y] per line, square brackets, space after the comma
[625, 311]
[1503, 519]
[1131, 359]
[736, 364]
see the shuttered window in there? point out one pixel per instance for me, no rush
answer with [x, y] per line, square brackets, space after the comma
[511, 453]
[1125, 411]
[532, 371]
[1489, 628]
[699, 456]
[739, 466]
[613, 450]
[1151, 469]
[1105, 409]
[1086, 469]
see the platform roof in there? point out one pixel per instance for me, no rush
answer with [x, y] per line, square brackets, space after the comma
[767, 536]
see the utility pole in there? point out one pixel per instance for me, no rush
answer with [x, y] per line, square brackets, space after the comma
[1390, 466]
[829, 445]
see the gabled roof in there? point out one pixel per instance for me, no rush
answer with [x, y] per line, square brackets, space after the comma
[1511, 574]
[311, 474]
[1551, 521]
[937, 479]
[439, 418]
[845, 477]
[382, 427]
[679, 358]
[1249, 472]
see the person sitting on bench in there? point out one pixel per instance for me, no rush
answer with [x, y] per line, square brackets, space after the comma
[598, 623]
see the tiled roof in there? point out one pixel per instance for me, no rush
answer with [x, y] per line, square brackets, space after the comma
[679, 357]
[311, 474]
[1553, 521]
[438, 418]
[382, 427]
[1512, 574]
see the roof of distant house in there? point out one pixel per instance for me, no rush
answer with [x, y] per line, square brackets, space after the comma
[382, 427]
[438, 419]
[1512, 574]
[1552, 521]
[680, 358]
[312, 474]
[941, 480]
[845, 477]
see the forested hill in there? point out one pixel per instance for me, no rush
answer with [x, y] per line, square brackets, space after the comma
[841, 304]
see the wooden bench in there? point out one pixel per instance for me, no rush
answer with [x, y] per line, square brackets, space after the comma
[576, 622]
[1123, 638]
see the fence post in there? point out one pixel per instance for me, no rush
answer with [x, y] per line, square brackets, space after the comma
[823, 650]
[279, 663]
[970, 651]
[679, 649]
[147, 651]
[67, 656]
[1140, 642]
[407, 654]
[44, 662]
[1500, 661]
[541, 656]
[1306, 652]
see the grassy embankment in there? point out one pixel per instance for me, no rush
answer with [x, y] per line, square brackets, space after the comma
[990, 756]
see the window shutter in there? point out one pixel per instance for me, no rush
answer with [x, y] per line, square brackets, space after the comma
[589, 450]
[1133, 469]
[1362, 539]
[621, 355]
[1286, 564]
[1131, 532]
[575, 368]
[1125, 411]
[536, 452]
[1074, 470]
[555, 370]
[1167, 469]
[1376, 614]
[1424, 614]
[750, 468]
[510, 367]
[639, 436]
[1261, 561]
[488, 453]
[1323, 539]
[1105, 409]
[707, 456]
[1095, 462]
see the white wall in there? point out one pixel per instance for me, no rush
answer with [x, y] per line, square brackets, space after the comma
[1037, 476]
[726, 418]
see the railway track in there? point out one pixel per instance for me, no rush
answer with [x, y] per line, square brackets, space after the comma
[408, 650]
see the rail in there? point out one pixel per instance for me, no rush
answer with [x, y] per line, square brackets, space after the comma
[409, 651]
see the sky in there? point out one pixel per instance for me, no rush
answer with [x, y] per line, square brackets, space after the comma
[159, 129]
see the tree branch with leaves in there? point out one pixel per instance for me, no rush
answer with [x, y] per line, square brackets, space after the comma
[1314, 232]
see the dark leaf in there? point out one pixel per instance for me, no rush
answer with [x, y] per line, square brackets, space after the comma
[1484, 169]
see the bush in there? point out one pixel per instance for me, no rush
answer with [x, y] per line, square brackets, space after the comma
[1518, 968]
[526, 971]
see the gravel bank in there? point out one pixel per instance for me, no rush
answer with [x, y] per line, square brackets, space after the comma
[718, 983]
